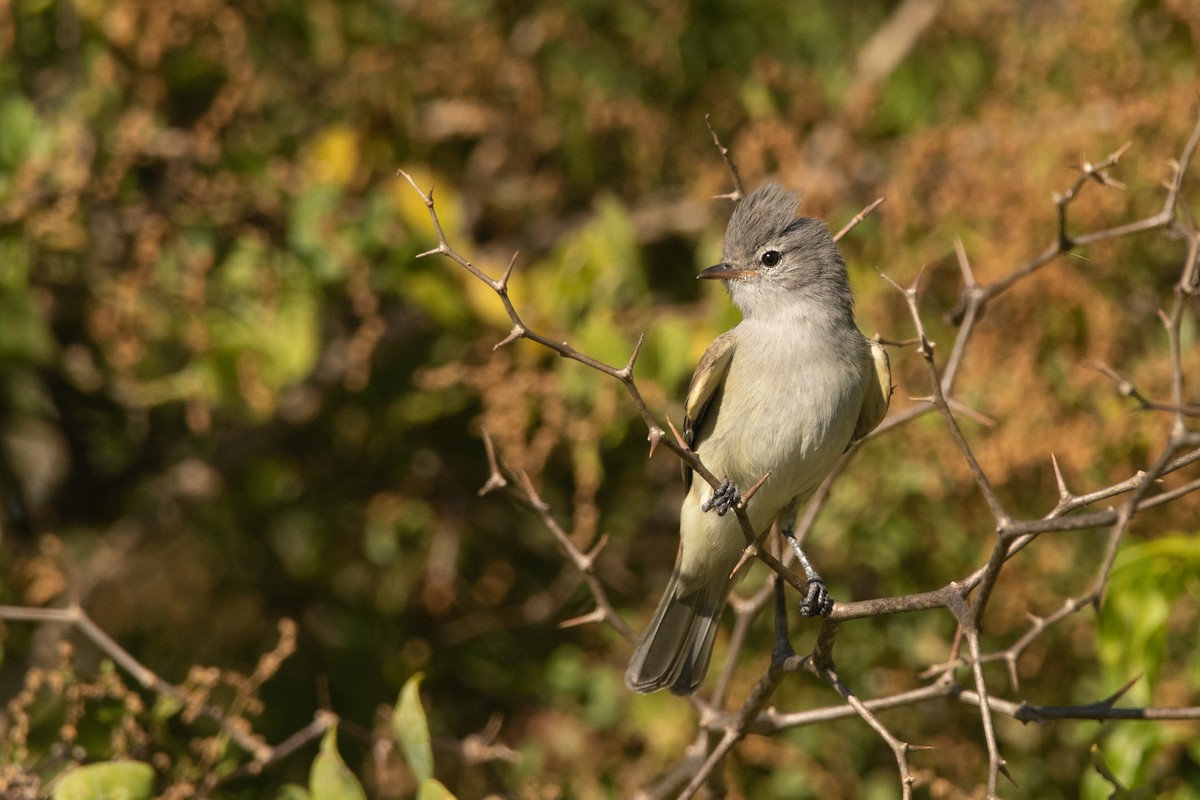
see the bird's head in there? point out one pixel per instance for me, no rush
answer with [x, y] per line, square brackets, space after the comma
[772, 257]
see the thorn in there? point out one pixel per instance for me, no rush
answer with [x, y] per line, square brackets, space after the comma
[1120, 151]
[1013, 679]
[1166, 320]
[502, 284]
[746, 496]
[1003, 768]
[516, 333]
[678, 438]
[1063, 492]
[1119, 693]
[654, 437]
[964, 265]
[912, 290]
[435, 251]
[971, 413]
[748, 553]
[627, 371]
[592, 616]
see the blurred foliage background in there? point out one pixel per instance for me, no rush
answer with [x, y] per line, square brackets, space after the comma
[229, 394]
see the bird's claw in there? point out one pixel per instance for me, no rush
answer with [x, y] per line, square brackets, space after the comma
[817, 603]
[724, 498]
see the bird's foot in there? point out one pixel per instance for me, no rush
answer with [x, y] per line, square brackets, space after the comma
[724, 498]
[817, 603]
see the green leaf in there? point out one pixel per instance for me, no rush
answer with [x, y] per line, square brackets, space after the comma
[1147, 580]
[330, 778]
[109, 780]
[432, 789]
[412, 730]
[165, 708]
[1120, 791]
[19, 125]
[292, 791]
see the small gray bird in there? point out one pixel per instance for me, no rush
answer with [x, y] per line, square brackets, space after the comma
[785, 392]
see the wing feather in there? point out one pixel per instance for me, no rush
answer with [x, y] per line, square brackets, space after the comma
[879, 394]
[707, 383]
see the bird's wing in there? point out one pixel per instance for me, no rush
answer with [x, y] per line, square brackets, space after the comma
[707, 382]
[879, 393]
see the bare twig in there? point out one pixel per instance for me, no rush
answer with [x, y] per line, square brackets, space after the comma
[900, 749]
[738, 191]
[584, 562]
[857, 218]
[925, 349]
[496, 479]
[1125, 388]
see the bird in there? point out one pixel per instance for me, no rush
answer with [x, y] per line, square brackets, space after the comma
[782, 394]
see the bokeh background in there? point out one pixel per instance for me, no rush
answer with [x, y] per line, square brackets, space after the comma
[229, 393]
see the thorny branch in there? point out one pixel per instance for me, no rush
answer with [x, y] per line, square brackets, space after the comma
[656, 435]
[584, 562]
[967, 598]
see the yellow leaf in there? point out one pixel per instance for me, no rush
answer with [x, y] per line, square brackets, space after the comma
[331, 156]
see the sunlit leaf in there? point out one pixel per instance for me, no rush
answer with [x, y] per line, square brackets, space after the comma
[432, 789]
[1146, 580]
[165, 707]
[330, 778]
[110, 780]
[411, 729]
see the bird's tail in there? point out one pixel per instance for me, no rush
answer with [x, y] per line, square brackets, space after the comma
[675, 650]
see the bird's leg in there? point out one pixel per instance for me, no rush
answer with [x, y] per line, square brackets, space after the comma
[817, 603]
[783, 645]
[724, 498]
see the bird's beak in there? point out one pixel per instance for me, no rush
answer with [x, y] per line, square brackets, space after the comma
[724, 272]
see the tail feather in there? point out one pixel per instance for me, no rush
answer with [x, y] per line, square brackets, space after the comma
[675, 650]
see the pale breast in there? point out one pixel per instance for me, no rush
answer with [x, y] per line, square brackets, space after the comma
[793, 412]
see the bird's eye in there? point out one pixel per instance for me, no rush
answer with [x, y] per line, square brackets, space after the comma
[771, 258]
